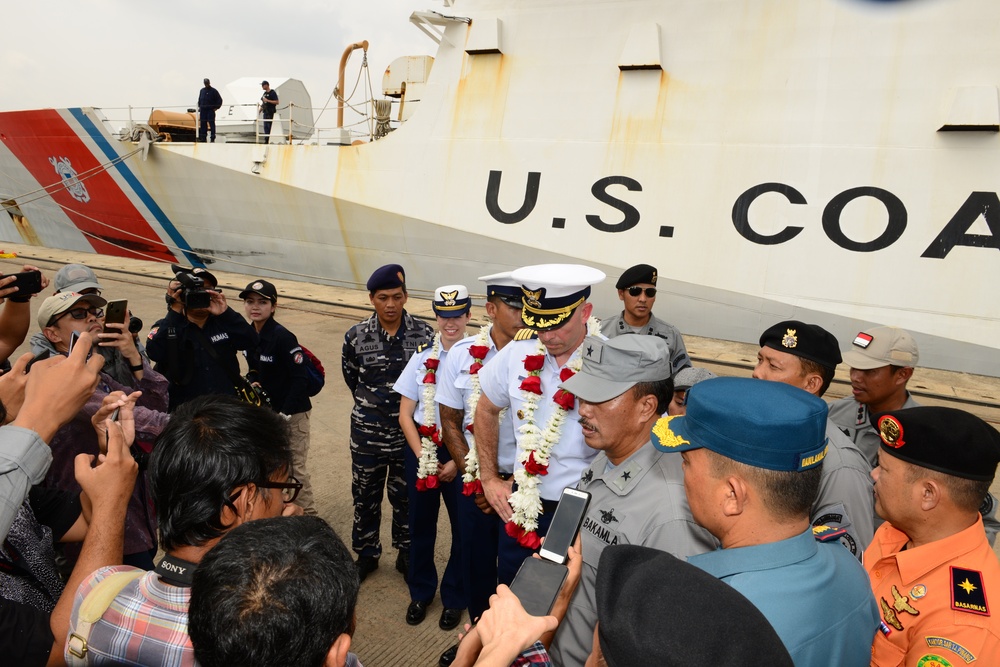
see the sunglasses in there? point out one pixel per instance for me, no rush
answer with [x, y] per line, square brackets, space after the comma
[81, 313]
[636, 291]
[289, 490]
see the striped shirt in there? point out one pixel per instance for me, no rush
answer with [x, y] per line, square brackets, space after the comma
[146, 624]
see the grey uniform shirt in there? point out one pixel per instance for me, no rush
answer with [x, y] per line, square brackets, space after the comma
[616, 326]
[845, 498]
[641, 501]
[854, 420]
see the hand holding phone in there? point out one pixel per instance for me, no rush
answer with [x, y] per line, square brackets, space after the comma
[115, 313]
[26, 282]
[565, 525]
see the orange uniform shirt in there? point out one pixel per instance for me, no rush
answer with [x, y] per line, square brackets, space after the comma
[940, 603]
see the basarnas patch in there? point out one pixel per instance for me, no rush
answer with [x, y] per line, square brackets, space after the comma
[967, 592]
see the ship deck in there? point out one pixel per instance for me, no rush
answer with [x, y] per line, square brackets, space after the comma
[320, 315]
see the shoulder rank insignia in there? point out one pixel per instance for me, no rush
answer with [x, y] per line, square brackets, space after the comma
[828, 533]
[422, 347]
[525, 334]
[967, 592]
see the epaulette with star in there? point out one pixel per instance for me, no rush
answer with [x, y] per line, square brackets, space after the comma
[525, 334]
[828, 533]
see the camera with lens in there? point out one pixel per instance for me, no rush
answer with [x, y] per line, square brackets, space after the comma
[134, 324]
[192, 292]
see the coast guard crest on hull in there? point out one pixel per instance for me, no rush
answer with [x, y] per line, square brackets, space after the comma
[72, 184]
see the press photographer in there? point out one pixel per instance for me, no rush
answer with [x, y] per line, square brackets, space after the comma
[195, 345]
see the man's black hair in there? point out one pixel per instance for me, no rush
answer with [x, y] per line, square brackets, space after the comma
[273, 592]
[663, 390]
[211, 445]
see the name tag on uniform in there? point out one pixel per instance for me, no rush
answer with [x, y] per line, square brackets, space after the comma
[220, 337]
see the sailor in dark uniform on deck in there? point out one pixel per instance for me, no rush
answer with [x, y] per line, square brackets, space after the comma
[637, 290]
[374, 354]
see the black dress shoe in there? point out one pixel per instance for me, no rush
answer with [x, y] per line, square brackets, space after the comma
[450, 618]
[403, 564]
[416, 612]
[448, 656]
[366, 565]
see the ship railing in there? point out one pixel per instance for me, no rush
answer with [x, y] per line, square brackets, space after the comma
[374, 120]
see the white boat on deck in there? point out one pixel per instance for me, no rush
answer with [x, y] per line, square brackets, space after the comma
[835, 161]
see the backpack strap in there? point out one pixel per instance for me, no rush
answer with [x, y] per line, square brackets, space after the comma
[92, 608]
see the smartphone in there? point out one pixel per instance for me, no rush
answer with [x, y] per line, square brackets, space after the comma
[537, 584]
[27, 282]
[114, 415]
[44, 354]
[565, 525]
[114, 313]
[75, 336]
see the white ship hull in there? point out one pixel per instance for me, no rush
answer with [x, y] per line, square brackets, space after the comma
[785, 161]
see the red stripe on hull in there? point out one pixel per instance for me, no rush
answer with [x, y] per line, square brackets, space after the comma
[43, 142]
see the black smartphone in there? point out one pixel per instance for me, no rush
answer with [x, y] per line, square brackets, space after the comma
[565, 525]
[44, 354]
[27, 282]
[114, 313]
[75, 336]
[537, 585]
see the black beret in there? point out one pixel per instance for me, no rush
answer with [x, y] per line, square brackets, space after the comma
[640, 273]
[653, 609]
[389, 276]
[947, 440]
[808, 341]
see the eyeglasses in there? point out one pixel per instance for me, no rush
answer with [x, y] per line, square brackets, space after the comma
[289, 489]
[635, 290]
[82, 313]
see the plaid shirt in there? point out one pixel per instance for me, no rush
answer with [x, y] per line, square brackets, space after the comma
[146, 623]
[533, 655]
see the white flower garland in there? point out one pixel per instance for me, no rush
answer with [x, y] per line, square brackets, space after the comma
[428, 464]
[537, 444]
[472, 457]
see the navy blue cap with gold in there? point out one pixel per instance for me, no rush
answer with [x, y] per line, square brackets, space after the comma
[808, 341]
[551, 292]
[947, 440]
[389, 276]
[763, 424]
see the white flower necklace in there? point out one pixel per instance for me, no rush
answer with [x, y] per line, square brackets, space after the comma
[471, 484]
[536, 445]
[430, 434]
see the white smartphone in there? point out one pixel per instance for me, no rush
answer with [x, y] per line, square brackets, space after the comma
[565, 525]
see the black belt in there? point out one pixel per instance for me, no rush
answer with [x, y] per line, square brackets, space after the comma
[549, 506]
[505, 475]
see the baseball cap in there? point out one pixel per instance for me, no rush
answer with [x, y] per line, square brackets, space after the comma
[551, 292]
[75, 278]
[882, 346]
[611, 367]
[199, 272]
[58, 304]
[763, 424]
[263, 288]
[948, 440]
[690, 376]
